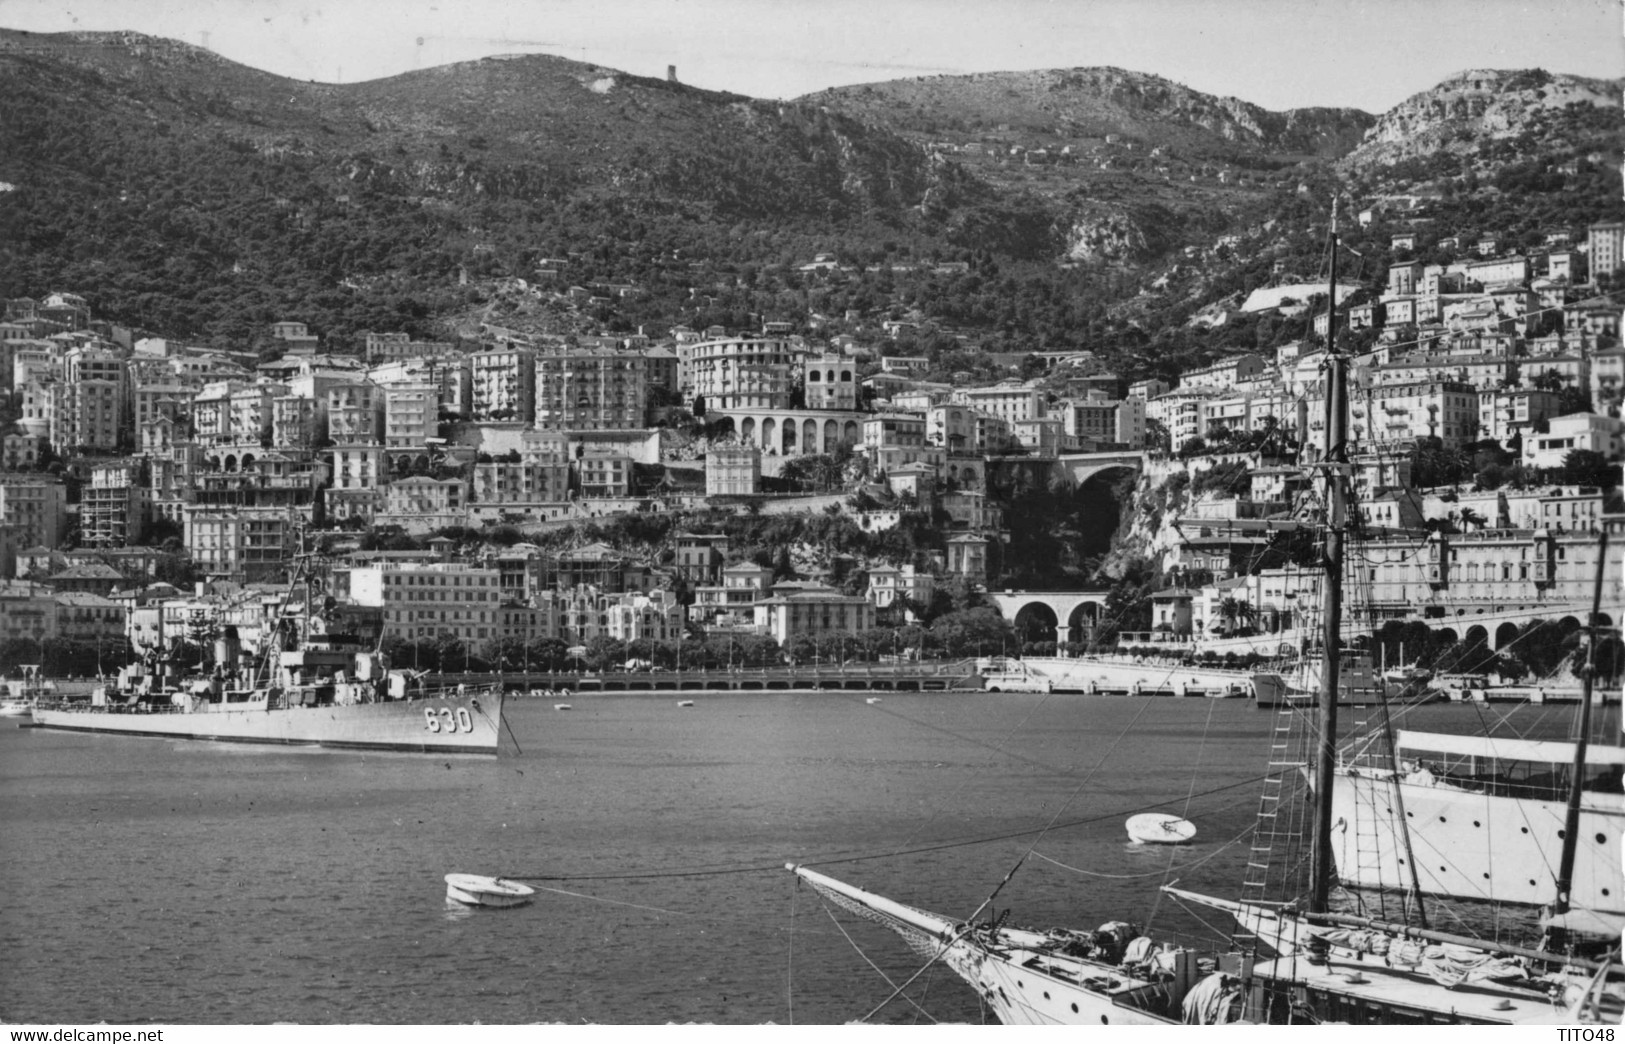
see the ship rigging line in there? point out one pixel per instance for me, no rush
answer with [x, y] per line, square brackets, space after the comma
[778, 866]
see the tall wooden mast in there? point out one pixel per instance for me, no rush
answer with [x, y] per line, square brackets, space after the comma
[1334, 464]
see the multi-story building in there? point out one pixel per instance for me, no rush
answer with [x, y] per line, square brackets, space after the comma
[963, 429]
[504, 384]
[422, 496]
[591, 391]
[355, 413]
[429, 600]
[1507, 412]
[1009, 402]
[519, 484]
[1608, 378]
[660, 362]
[655, 616]
[27, 610]
[391, 347]
[1225, 374]
[1041, 436]
[1105, 420]
[889, 584]
[411, 417]
[737, 373]
[1578, 431]
[1403, 278]
[116, 506]
[812, 611]
[731, 605]
[32, 507]
[295, 422]
[733, 471]
[251, 414]
[1606, 247]
[829, 382]
[604, 474]
[700, 556]
[245, 544]
[18, 451]
[83, 616]
[894, 429]
[1180, 412]
[86, 413]
[1402, 413]
[161, 398]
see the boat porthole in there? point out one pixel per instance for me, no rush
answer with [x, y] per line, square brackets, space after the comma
[1410, 815]
[1561, 834]
[1444, 870]
[1477, 823]
[1602, 839]
[1074, 1009]
[1020, 985]
[1402, 862]
[1441, 819]
[1524, 829]
[1046, 995]
[1605, 891]
[1486, 877]
[1104, 1021]
[1531, 882]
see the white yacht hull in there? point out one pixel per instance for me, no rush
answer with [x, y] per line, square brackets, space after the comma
[1474, 845]
[1091, 674]
[1023, 981]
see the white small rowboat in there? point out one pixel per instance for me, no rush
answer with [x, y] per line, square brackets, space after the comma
[1156, 828]
[474, 890]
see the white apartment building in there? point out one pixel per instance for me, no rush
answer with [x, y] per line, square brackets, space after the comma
[504, 384]
[1009, 402]
[1578, 431]
[427, 600]
[737, 373]
[411, 416]
[591, 391]
[959, 429]
[355, 413]
[517, 484]
[1391, 415]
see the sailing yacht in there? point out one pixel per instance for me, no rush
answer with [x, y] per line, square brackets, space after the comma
[1302, 962]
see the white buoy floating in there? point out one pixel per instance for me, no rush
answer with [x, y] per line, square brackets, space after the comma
[1156, 828]
[561, 706]
[872, 700]
[685, 703]
[475, 890]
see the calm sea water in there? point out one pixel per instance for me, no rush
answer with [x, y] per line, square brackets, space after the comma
[151, 880]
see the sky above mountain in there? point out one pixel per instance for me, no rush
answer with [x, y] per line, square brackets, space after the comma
[1280, 54]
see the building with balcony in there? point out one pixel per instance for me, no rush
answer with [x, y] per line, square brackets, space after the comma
[591, 391]
[737, 373]
[504, 385]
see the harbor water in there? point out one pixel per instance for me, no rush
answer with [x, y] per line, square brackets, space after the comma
[183, 882]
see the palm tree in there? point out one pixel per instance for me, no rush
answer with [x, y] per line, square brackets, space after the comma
[1233, 610]
[1471, 519]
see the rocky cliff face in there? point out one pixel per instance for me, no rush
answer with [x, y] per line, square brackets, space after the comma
[1095, 102]
[1474, 107]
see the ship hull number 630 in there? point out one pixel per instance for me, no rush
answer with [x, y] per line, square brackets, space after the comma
[447, 720]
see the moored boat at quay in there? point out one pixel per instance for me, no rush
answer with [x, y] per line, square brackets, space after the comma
[1139, 676]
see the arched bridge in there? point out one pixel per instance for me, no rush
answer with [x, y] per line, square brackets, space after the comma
[1498, 626]
[1062, 616]
[1081, 467]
